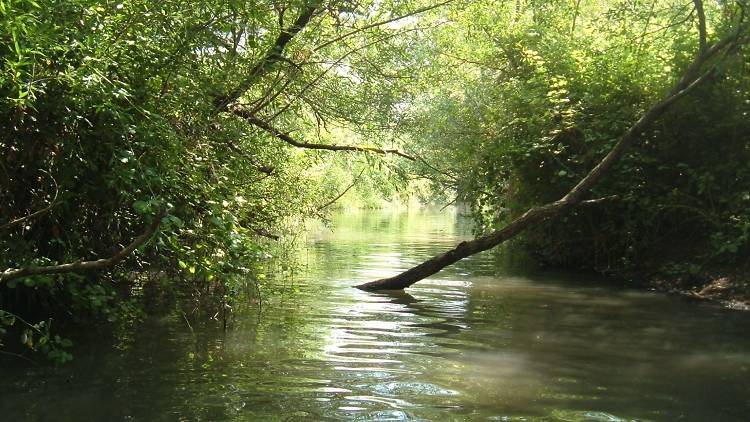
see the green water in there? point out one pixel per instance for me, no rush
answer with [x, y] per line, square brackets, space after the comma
[476, 342]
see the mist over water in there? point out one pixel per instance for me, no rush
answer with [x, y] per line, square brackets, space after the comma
[475, 342]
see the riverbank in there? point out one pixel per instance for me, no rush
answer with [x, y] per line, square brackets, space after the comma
[728, 286]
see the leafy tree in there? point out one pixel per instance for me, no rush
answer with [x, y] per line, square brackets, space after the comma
[541, 106]
[143, 137]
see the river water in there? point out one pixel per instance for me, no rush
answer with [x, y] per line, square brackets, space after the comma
[478, 341]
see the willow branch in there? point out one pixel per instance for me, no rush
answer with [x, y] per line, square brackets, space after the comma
[79, 266]
[380, 23]
[269, 94]
[273, 55]
[437, 170]
[255, 121]
[341, 195]
[331, 66]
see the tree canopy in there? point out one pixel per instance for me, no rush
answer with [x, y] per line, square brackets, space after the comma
[181, 138]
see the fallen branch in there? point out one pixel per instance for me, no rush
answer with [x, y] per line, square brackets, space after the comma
[13, 273]
[255, 121]
[691, 79]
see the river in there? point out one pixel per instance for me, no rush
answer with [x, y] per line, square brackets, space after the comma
[478, 341]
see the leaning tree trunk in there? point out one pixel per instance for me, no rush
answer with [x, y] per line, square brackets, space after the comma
[692, 78]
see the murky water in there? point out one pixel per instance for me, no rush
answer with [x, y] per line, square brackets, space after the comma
[475, 342]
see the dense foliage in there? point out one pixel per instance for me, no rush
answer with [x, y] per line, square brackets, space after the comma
[232, 121]
[543, 92]
[113, 111]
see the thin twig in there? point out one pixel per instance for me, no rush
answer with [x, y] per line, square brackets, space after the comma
[16, 355]
[381, 23]
[42, 211]
[339, 196]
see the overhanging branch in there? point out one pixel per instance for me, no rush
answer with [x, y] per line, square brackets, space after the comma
[701, 25]
[381, 23]
[255, 121]
[13, 273]
[263, 168]
[332, 66]
[273, 55]
[340, 195]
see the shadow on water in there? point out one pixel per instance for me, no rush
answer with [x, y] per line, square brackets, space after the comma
[475, 342]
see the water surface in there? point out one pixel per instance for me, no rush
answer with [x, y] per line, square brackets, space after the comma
[475, 342]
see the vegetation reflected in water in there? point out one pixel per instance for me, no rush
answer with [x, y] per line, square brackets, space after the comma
[466, 345]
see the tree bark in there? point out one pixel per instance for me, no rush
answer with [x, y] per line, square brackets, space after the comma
[575, 196]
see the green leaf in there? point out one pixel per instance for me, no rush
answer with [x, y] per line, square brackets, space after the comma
[141, 207]
[7, 318]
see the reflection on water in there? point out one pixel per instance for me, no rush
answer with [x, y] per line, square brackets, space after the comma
[467, 344]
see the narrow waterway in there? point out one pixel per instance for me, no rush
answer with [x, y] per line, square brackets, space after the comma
[476, 342]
